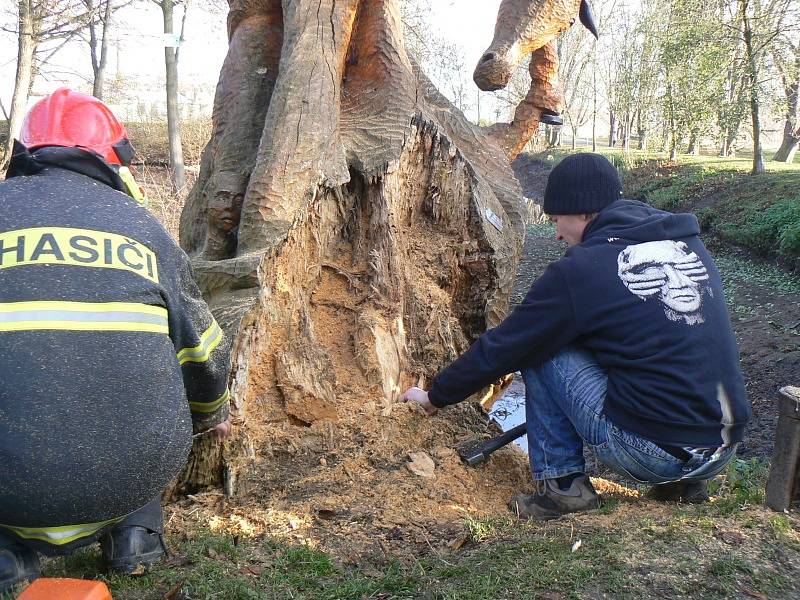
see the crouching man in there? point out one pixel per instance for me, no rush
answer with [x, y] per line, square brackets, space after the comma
[110, 356]
[624, 344]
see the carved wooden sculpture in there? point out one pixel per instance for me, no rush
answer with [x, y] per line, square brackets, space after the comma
[528, 28]
[351, 230]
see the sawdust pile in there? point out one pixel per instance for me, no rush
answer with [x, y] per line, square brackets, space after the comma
[378, 482]
[371, 477]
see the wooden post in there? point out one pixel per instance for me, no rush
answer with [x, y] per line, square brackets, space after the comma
[782, 486]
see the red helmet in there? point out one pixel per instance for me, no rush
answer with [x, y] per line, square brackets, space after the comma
[67, 118]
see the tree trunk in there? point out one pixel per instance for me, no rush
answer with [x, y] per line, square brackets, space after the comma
[173, 105]
[594, 97]
[790, 143]
[100, 58]
[752, 73]
[641, 131]
[694, 143]
[673, 136]
[351, 230]
[791, 130]
[612, 129]
[26, 46]
[626, 132]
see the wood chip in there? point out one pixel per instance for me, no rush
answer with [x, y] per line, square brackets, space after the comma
[421, 464]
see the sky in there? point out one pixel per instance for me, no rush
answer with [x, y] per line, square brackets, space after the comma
[140, 57]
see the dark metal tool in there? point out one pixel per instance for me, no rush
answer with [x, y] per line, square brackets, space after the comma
[475, 452]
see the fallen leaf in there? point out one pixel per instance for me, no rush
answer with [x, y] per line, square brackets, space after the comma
[139, 570]
[178, 560]
[421, 464]
[254, 570]
[373, 573]
[734, 538]
[175, 592]
[455, 544]
[326, 513]
[211, 553]
[754, 594]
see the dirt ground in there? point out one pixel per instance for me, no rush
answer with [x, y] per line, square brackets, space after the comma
[382, 482]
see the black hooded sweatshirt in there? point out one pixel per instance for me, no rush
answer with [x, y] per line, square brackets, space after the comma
[642, 294]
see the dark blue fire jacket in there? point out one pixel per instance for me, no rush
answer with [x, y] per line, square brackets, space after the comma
[109, 353]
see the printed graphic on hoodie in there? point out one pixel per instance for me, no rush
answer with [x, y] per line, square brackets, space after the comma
[668, 271]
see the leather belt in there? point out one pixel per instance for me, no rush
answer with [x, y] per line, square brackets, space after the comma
[676, 451]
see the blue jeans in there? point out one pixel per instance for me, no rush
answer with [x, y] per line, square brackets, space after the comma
[564, 400]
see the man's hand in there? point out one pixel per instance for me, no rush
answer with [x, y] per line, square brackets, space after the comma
[415, 394]
[222, 430]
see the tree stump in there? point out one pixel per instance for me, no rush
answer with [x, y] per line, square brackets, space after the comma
[351, 230]
[784, 473]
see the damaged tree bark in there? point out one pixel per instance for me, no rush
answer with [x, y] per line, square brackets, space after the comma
[350, 228]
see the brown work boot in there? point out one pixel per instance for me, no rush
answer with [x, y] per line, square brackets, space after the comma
[688, 492]
[550, 501]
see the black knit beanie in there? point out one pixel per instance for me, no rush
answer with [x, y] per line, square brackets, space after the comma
[580, 184]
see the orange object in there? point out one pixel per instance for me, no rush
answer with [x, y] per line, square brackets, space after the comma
[68, 118]
[46, 588]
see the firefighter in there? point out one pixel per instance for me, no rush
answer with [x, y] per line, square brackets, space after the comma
[110, 356]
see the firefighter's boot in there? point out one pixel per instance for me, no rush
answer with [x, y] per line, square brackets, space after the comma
[17, 564]
[688, 492]
[128, 548]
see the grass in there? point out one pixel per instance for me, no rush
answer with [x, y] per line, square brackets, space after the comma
[731, 547]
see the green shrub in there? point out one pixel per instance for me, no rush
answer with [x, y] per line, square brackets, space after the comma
[741, 485]
[628, 161]
[770, 229]
[789, 236]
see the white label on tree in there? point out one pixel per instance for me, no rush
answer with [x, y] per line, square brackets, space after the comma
[172, 40]
[494, 219]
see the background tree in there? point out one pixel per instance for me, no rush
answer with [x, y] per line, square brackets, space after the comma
[575, 51]
[43, 28]
[692, 52]
[97, 37]
[760, 25]
[171, 54]
[441, 60]
[786, 57]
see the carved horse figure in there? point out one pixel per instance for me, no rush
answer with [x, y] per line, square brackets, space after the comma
[523, 28]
